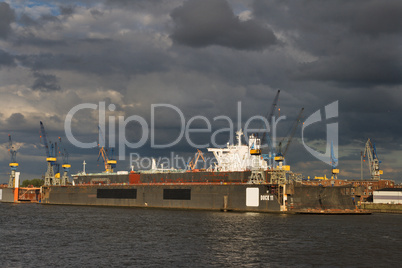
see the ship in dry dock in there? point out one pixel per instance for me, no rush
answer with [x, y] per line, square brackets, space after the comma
[240, 181]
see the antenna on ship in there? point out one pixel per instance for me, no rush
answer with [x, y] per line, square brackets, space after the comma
[239, 134]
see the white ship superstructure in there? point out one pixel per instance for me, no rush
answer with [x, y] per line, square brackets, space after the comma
[240, 157]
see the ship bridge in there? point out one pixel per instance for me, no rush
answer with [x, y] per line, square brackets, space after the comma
[240, 157]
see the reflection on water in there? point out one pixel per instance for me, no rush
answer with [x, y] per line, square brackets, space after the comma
[38, 235]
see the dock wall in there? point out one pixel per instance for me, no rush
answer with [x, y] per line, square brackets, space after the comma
[385, 208]
[7, 195]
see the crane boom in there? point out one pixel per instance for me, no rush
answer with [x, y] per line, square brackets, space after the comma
[63, 152]
[109, 162]
[13, 152]
[44, 138]
[273, 107]
[293, 131]
[193, 163]
[280, 156]
[373, 162]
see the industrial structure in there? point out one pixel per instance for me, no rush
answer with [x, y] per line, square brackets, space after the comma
[370, 152]
[193, 163]
[106, 154]
[66, 166]
[240, 181]
[14, 175]
[363, 189]
[52, 175]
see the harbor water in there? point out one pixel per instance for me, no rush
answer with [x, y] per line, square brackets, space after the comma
[33, 235]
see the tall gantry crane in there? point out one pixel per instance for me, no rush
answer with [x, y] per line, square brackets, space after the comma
[269, 117]
[370, 152]
[50, 177]
[280, 156]
[13, 163]
[107, 155]
[66, 166]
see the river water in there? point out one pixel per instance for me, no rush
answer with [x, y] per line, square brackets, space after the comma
[33, 235]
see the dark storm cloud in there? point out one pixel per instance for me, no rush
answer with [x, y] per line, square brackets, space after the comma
[354, 70]
[354, 42]
[67, 10]
[110, 60]
[133, 4]
[44, 18]
[96, 12]
[201, 23]
[7, 16]
[45, 82]
[159, 7]
[27, 20]
[16, 118]
[381, 17]
[6, 59]
[329, 50]
[38, 42]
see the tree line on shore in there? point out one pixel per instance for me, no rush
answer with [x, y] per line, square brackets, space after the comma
[33, 182]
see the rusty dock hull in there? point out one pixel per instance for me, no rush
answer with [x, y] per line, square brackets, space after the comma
[227, 191]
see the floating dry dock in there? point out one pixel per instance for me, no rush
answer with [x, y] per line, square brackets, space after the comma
[241, 181]
[227, 191]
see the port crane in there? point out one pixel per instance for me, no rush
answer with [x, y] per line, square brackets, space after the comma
[280, 156]
[370, 152]
[265, 136]
[108, 160]
[13, 163]
[193, 163]
[51, 178]
[66, 166]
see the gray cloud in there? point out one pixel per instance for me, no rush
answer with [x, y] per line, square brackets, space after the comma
[45, 82]
[379, 18]
[354, 42]
[6, 59]
[6, 17]
[67, 10]
[201, 23]
[17, 119]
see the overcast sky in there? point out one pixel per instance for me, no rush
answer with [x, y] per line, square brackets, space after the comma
[203, 57]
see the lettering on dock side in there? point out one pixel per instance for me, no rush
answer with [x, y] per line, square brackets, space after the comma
[266, 197]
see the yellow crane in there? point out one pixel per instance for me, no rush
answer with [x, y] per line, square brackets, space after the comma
[108, 162]
[193, 163]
